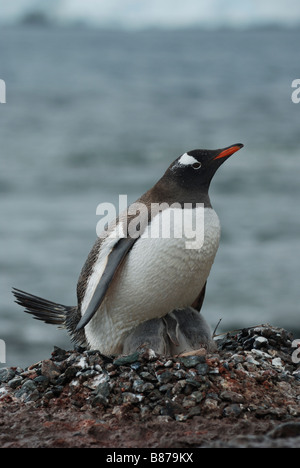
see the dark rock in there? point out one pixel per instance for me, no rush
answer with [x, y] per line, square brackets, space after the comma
[42, 382]
[147, 387]
[123, 360]
[59, 354]
[202, 369]
[288, 429]
[164, 377]
[15, 382]
[26, 389]
[234, 397]
[50, 370]
[195, 411]
[166, 388]
[148, 376]
[192, 361]
[6, 374]
[101, 394]
[67, 376]
[134, 398]
[233, 410]
[260, 342]
[57, 390]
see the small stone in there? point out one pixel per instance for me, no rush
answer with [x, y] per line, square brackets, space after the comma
[237, 358]
[192, 361]
[164, 377]
[202, 369]
[250, 359]
[6, 374]
[42, 382]
[15, 382]
[194, 411]
[110, 367]
[123, 360]
[232, 410]
[178, 387]
[148, 354]
[260, 342]
[180, 417]
[27, 388]
[59, 354]
[132, 397]
[277, 362]
[214, 371]
[157, 410]
[210, 404]
[103, 389]
[180, 374]
[188, 402]
[135, 365]
[197, 396]
[231, 396]
[3, 392]
[48, 395]
[147, 387]
[138, 385]
[261, 354]
[296, 374]
[92, 384]
[57, 390]
[166, 387]
[50, 370]
[147, 376]
[82, 363]
[249, 343]
[67, 376]
[33, 396]
[154, 395]
[168, 363]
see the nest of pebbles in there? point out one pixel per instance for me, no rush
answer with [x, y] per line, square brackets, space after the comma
[252, 372]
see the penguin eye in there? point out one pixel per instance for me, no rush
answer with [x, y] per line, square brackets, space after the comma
[197, 165]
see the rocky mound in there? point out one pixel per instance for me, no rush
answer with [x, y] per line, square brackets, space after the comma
[80, 398]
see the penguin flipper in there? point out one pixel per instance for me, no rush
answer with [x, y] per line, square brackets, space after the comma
[114, 261]
[197, 304]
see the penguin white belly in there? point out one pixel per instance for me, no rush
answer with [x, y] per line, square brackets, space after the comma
[158, 275]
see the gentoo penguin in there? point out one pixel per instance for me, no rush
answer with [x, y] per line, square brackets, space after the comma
[144, 280]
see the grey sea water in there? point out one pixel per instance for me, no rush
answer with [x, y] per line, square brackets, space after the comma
[92, 114]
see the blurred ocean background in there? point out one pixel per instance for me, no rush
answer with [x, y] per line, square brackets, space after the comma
[93, 112]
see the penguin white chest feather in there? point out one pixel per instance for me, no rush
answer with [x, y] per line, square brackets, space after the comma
[161, 272]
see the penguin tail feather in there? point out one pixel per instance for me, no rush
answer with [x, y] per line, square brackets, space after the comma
[41, 309]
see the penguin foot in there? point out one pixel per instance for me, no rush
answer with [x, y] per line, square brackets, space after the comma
[180, 331]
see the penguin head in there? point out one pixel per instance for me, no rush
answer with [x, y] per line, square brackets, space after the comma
[194, 170]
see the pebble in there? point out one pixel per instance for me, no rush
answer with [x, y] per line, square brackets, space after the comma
[192, 361]
[6, 375]
[252, 372]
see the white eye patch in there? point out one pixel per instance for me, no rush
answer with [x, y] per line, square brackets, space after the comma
[187, 160]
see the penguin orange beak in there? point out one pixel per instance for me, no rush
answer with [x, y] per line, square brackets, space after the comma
[229, 151]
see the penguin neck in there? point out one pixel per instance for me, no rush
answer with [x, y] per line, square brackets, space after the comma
[172, 193]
